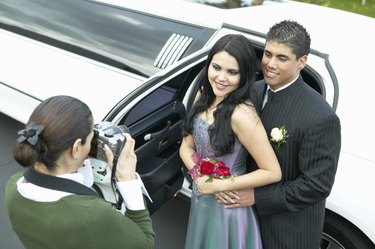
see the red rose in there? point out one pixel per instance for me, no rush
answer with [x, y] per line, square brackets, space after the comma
[222, 170]
[221, 164]
[207, 167]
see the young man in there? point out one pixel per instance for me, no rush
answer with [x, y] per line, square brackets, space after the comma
[291, 212]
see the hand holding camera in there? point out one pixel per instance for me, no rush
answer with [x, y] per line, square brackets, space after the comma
[110, 136]
[106, 133]
[112, 159]
[127, 161]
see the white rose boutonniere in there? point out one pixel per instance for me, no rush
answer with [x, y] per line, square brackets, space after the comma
[278, 136]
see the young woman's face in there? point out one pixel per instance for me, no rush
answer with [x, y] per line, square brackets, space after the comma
[223, 74]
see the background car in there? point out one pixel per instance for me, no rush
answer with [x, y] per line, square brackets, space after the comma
[83, 49]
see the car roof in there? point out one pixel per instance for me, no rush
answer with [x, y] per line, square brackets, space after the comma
[37, 71]
[184, 11]
[118, 35]
[321, 22]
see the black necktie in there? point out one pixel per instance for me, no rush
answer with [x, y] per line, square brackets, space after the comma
[269, 97]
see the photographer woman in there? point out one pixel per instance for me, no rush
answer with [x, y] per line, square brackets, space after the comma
[54, 145]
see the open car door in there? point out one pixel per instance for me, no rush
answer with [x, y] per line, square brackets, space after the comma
[154, 114]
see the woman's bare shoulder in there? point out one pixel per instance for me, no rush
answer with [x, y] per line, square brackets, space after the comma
[245, 113]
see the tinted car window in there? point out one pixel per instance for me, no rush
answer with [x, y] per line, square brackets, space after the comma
[120, 37]
[173, 90]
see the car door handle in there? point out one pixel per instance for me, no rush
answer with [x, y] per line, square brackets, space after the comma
[162, 145]
[149, 136]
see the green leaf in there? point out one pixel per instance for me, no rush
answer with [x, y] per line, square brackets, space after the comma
[210, 179]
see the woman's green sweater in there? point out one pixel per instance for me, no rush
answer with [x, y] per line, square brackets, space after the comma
[76, 221]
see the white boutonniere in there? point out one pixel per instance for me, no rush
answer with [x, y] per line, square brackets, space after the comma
[278, 136]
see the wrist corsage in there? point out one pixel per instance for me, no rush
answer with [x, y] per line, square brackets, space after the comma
[211, 167]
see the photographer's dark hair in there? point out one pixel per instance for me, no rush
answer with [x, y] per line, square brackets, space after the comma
[61, 120]
[221, 134]
[292, 35]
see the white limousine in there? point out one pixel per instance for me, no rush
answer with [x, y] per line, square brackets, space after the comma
[134, 63]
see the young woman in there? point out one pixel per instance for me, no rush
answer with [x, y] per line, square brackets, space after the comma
[223, 125]
[54, 145]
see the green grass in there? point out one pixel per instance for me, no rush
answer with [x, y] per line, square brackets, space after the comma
[354, 6]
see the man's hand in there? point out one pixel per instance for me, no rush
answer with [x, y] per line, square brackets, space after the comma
[235, 199]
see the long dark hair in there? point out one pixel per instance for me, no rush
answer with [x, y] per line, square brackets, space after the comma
[64, 119]
[221, 133]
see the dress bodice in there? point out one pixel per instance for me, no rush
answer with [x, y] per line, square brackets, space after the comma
[236, 160]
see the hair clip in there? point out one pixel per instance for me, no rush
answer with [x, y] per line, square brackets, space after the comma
[30, 133]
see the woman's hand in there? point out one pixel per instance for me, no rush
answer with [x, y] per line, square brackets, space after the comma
[127, 161]
[205, 187]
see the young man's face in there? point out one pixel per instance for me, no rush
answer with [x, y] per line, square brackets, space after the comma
[280, 65]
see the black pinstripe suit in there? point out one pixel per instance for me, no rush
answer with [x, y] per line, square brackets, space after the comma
[291, 212]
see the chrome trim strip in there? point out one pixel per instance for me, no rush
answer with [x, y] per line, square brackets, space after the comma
[172, 50]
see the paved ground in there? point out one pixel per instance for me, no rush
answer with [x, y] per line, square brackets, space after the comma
[8, 132]
[169, 221]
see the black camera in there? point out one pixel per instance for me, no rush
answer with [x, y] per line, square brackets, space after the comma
[107, 133]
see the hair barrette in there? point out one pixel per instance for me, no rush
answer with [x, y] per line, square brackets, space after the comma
[30, 133]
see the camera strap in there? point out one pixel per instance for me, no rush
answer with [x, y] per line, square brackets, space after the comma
[57, 183]
[120, 200]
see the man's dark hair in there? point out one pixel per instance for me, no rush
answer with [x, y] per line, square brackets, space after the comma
[291, 34]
